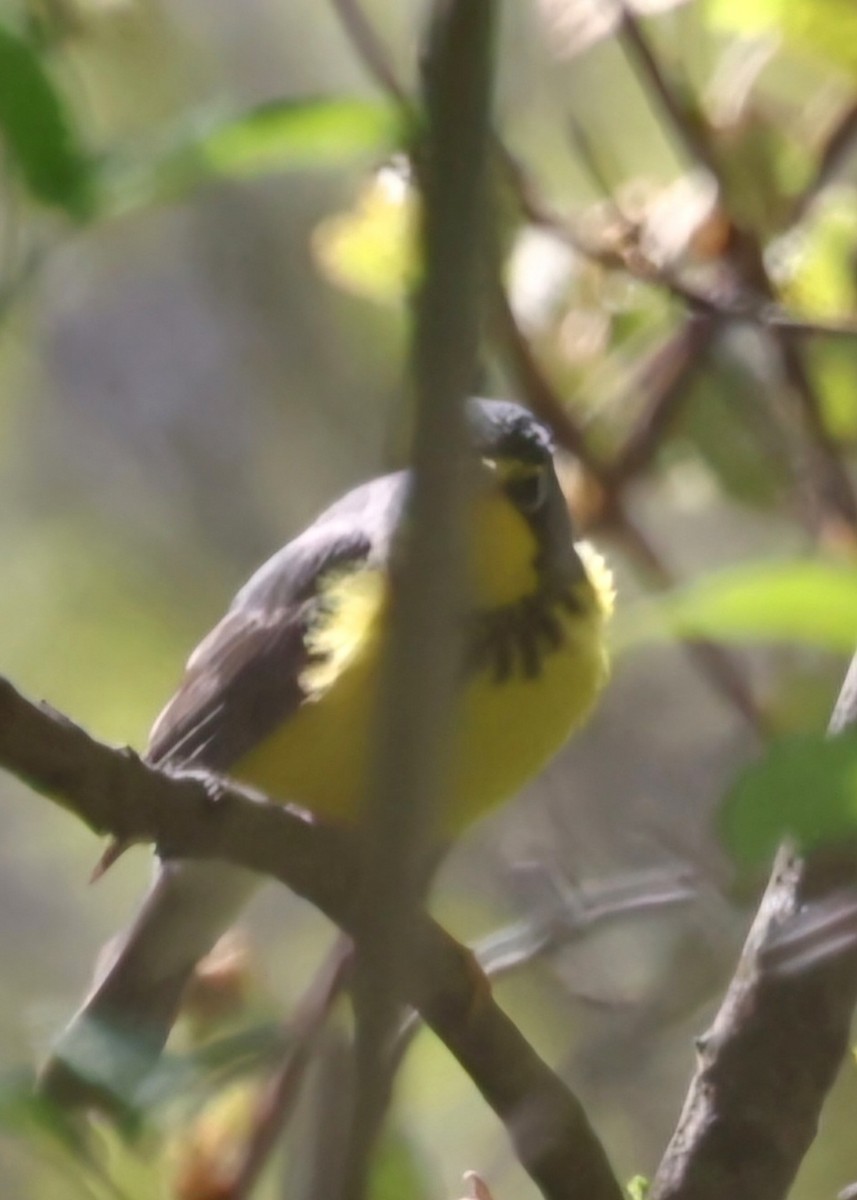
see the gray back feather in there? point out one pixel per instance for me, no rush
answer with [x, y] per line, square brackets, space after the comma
[244, 678]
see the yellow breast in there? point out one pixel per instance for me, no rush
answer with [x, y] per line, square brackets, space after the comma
[509, 729]
[505, 730]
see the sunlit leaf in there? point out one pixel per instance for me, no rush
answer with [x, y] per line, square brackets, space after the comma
[638, 1187]
[130, 1167]
[371, 249]
[814, 267]
[825, 29]
[299, 133]
[37, 131]
[814, 270]
[804, 788]
[834, 369]
[810, 602]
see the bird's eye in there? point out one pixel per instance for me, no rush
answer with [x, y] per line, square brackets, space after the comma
[529, 491]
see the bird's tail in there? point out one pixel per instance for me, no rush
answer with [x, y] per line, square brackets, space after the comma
[116, 1036]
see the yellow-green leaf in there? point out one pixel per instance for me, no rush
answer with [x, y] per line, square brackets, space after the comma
[299, 133]
[824, 29]
[805, 788]
[815, 275]
[371, 249]
[812, 602]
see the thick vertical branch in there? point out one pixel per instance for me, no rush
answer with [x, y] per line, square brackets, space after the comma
[423, 656]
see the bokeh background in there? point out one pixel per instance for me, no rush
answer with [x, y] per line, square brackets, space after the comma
[193, 371]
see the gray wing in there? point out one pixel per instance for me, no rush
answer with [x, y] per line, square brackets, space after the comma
[244, 678]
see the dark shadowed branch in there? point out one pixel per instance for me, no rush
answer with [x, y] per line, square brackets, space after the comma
[422, 658]
[279, 1097]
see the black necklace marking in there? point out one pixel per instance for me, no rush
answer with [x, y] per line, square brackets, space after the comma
[513, 641]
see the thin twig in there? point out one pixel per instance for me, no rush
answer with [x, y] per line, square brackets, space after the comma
[746, 260]
[714, 663]
[572, 915]
[370, 49]
[806, 327]
[280, 1096]
[727, 303]
[664, 379]
[837, 149]
[825, 930]
[686, 125]
[590, 158]
[541, 396]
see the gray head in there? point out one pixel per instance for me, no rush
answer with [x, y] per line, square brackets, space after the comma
[504, 430]
[520, 449]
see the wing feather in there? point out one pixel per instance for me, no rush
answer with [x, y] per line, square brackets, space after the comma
[244, 678]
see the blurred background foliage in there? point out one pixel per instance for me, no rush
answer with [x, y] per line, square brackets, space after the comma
[205, 255]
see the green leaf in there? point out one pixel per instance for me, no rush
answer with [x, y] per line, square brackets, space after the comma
[804, 788]
[37, 131]
[299, 133]
[823, 29]
[810, 602]
[833, 366]
[24, 1112]
[397, 1171]
[279, 136]
[815, 278]
[718, 423]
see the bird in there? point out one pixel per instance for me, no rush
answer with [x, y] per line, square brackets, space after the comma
[279, 696]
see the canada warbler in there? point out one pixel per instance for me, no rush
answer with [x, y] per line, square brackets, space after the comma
[280, 696]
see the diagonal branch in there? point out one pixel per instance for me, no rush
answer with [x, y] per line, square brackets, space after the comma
[279, 1097]
[767, 1063]
[371, 50]
[194, 816]
[833, 157]
[687, 124]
